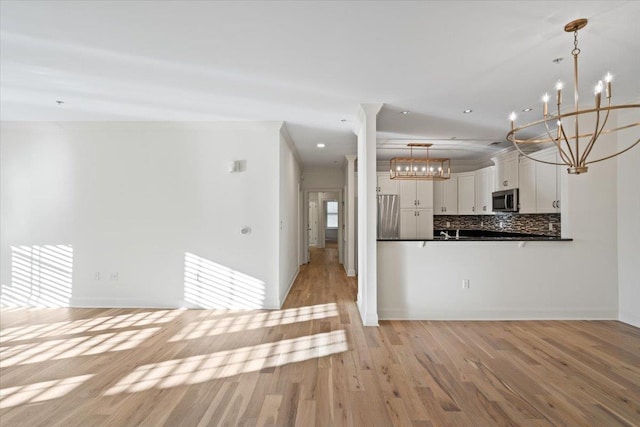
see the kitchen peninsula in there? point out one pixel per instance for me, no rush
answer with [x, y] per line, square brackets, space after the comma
[504, 266]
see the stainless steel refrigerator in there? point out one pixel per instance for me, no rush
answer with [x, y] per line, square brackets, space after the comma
[388, 217]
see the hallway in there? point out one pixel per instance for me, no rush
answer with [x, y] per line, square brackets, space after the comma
[311, 363]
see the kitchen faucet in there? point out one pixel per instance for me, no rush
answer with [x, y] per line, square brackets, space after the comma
[445, 234]
[458, 234]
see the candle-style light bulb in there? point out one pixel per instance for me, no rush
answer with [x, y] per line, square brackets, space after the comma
[545, 107]
[513, 117]
[598, 93]
[608, 79]
[599, 87]
[559, 87]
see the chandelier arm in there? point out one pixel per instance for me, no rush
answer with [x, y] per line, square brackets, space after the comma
[574, 157]
[529, 157]
[595, 135]
[592, 140]
[616, 154]
[562, 153]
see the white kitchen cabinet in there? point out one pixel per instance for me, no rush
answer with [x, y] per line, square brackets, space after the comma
[445, 196]
[416, 194]
[506, 171]
[527, 190]
[386, 185]
[416, 223]
[547, 183]
[539, 183]
[484, 188]
[467, 194]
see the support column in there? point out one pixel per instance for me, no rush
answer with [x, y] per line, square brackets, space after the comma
[350, 259]
[365, 129]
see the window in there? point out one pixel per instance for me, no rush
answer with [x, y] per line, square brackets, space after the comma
[332, 214]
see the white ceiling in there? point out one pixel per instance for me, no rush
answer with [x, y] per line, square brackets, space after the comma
[310, 64]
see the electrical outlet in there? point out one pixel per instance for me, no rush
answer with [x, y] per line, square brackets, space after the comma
[465, 283]
[550, 226]
[448, 224]
[113, 277]
[96, 275]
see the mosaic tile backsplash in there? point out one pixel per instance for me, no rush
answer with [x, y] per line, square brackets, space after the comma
[511, 223]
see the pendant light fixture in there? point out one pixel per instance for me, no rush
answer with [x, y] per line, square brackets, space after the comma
[575, 145]
[416, 167]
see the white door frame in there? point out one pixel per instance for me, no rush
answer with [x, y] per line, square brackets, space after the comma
[305, 222]
[311, 227]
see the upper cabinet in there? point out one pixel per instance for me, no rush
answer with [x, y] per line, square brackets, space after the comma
[386, 185]
[506, 171]
[547, 183]
[540, 183]
[484, 188]
[445, 196]
[416, 194]
[467, 193]
[527, 179]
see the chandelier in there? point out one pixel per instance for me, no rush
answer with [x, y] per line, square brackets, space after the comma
[574, 148]
[420, 167]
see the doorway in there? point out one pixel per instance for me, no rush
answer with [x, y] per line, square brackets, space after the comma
[324, 221]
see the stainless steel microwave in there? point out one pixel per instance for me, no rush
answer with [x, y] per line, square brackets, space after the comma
[505, 201]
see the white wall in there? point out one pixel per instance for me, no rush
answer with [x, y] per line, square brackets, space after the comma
[323, 179]
[139, 199]
[289, 198]
[562, 280]
[629, 225]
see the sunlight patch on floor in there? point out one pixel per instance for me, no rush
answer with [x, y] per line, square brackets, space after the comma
[223, 364]
[93, 324]
[39, 392]
[211, 327]
[73, 347]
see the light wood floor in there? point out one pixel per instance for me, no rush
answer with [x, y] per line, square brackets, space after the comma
[311, 363]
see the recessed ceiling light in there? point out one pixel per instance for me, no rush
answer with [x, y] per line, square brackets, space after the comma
[59, 102]
[320, 145]
[557, 60]
[404, 113]
[343, 120]
[468, 110]
[454, 137]
[526, 110]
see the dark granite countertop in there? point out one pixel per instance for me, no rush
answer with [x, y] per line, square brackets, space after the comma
[483, 236]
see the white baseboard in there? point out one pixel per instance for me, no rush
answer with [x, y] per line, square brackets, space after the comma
[368, 319]
[371, 319]
[283, 298]
[540, 314]
[630, 319]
